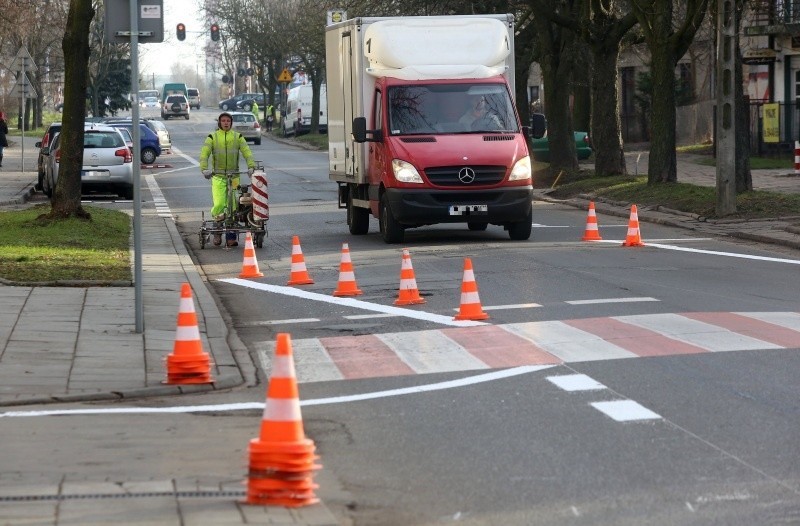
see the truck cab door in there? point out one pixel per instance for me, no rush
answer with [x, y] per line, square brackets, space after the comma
[377, 150]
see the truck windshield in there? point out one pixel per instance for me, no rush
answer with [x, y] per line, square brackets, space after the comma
[450, 108]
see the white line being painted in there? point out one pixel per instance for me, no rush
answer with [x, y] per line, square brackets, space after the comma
[625, 410]
[350, 302]
[451, 384]
[714, 252]
[264, 323]
[576, 382]
[609, 300]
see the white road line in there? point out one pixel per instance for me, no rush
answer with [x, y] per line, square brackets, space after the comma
[539, 225]
[625, 410]
[609, 300]
[430, 352]
[711, 252]
[451, 384]
[790, 320]
[350, 302]
[508, 307]
[576, 382]
[263, 323]
[369, 316]
[312, 361]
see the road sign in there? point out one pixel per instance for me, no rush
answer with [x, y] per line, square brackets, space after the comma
[24, 89]
[118, 21]
[22, 61]
[285, 76]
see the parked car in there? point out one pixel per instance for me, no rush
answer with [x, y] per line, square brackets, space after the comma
[540, 147]
[230, 104]
[126, 134]
[157, 127]
[148, 140]
[107, 162]
[247, 104]
[44, 151]
[194, 98]
[149, 102]
[247, 124]
[175, 106]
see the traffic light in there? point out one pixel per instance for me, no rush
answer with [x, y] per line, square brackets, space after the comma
[181, 30]
[214, 32]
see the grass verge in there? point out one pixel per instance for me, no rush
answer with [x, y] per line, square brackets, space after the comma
[34, 250]
[700, 200]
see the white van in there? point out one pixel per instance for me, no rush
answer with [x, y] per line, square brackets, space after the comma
[297, 120]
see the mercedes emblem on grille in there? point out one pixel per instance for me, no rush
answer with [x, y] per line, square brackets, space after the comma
[466, 175]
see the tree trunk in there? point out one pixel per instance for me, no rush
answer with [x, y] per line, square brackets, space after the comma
[606, 124]
[66, 201]
[662, 167]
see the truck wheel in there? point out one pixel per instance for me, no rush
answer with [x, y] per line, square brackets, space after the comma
[391, 230]
[522, 230]
[357, 218]
[476, 226]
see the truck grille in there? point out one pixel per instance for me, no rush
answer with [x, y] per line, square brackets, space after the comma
[448, 175]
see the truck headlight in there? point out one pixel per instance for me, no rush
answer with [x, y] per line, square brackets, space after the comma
[406, 173]
[521, 170]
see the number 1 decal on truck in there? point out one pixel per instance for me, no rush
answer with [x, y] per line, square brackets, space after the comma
[422, 127]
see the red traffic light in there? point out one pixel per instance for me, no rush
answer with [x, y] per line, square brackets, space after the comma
[214, 32]
[181, 31]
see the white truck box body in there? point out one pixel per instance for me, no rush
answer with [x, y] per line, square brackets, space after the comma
[409, 48]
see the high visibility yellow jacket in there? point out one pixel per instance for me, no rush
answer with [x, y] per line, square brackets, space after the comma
[225, 148]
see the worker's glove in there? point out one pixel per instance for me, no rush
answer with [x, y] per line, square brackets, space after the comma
[250, 171]
[207, 174]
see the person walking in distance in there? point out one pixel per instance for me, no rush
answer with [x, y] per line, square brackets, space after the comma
[270, 116]
[224, 146]
[3, 135]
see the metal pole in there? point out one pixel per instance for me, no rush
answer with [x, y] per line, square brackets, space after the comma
[24, 103]
[137, 147]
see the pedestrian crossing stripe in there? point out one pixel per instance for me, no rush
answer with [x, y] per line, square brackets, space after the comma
[454, 349]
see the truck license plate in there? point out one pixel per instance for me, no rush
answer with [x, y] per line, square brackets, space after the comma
[468, 210]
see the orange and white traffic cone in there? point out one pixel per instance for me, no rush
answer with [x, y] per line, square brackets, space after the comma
[282, 459]
[470, 302]
[634, 237]
[299, 273]
[409, 294]
[188, 363]
[591, 233]
[347, 278]
[249, 263]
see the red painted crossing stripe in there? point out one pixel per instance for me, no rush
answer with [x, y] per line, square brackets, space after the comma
[499, 348]
[364, 356]
[640, 341]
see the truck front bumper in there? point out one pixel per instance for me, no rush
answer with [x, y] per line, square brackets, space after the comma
[426, 207]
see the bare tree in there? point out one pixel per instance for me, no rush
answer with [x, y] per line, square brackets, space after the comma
[668, 32]
[66, 201]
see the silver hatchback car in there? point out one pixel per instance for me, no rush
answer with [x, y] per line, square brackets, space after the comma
[107, 163]
[245, 123]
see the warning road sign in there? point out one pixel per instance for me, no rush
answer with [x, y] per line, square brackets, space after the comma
[285, 76]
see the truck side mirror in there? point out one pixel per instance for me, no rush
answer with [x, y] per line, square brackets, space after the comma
[360, 131]
[538, 125]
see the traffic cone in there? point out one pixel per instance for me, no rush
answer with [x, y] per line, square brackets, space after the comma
[250, 264]
[409, 294]
[591, 234]
[188, 363]
[470, 302]
[347, 278]
[299, 274]
[634, 237]
[282, 458]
